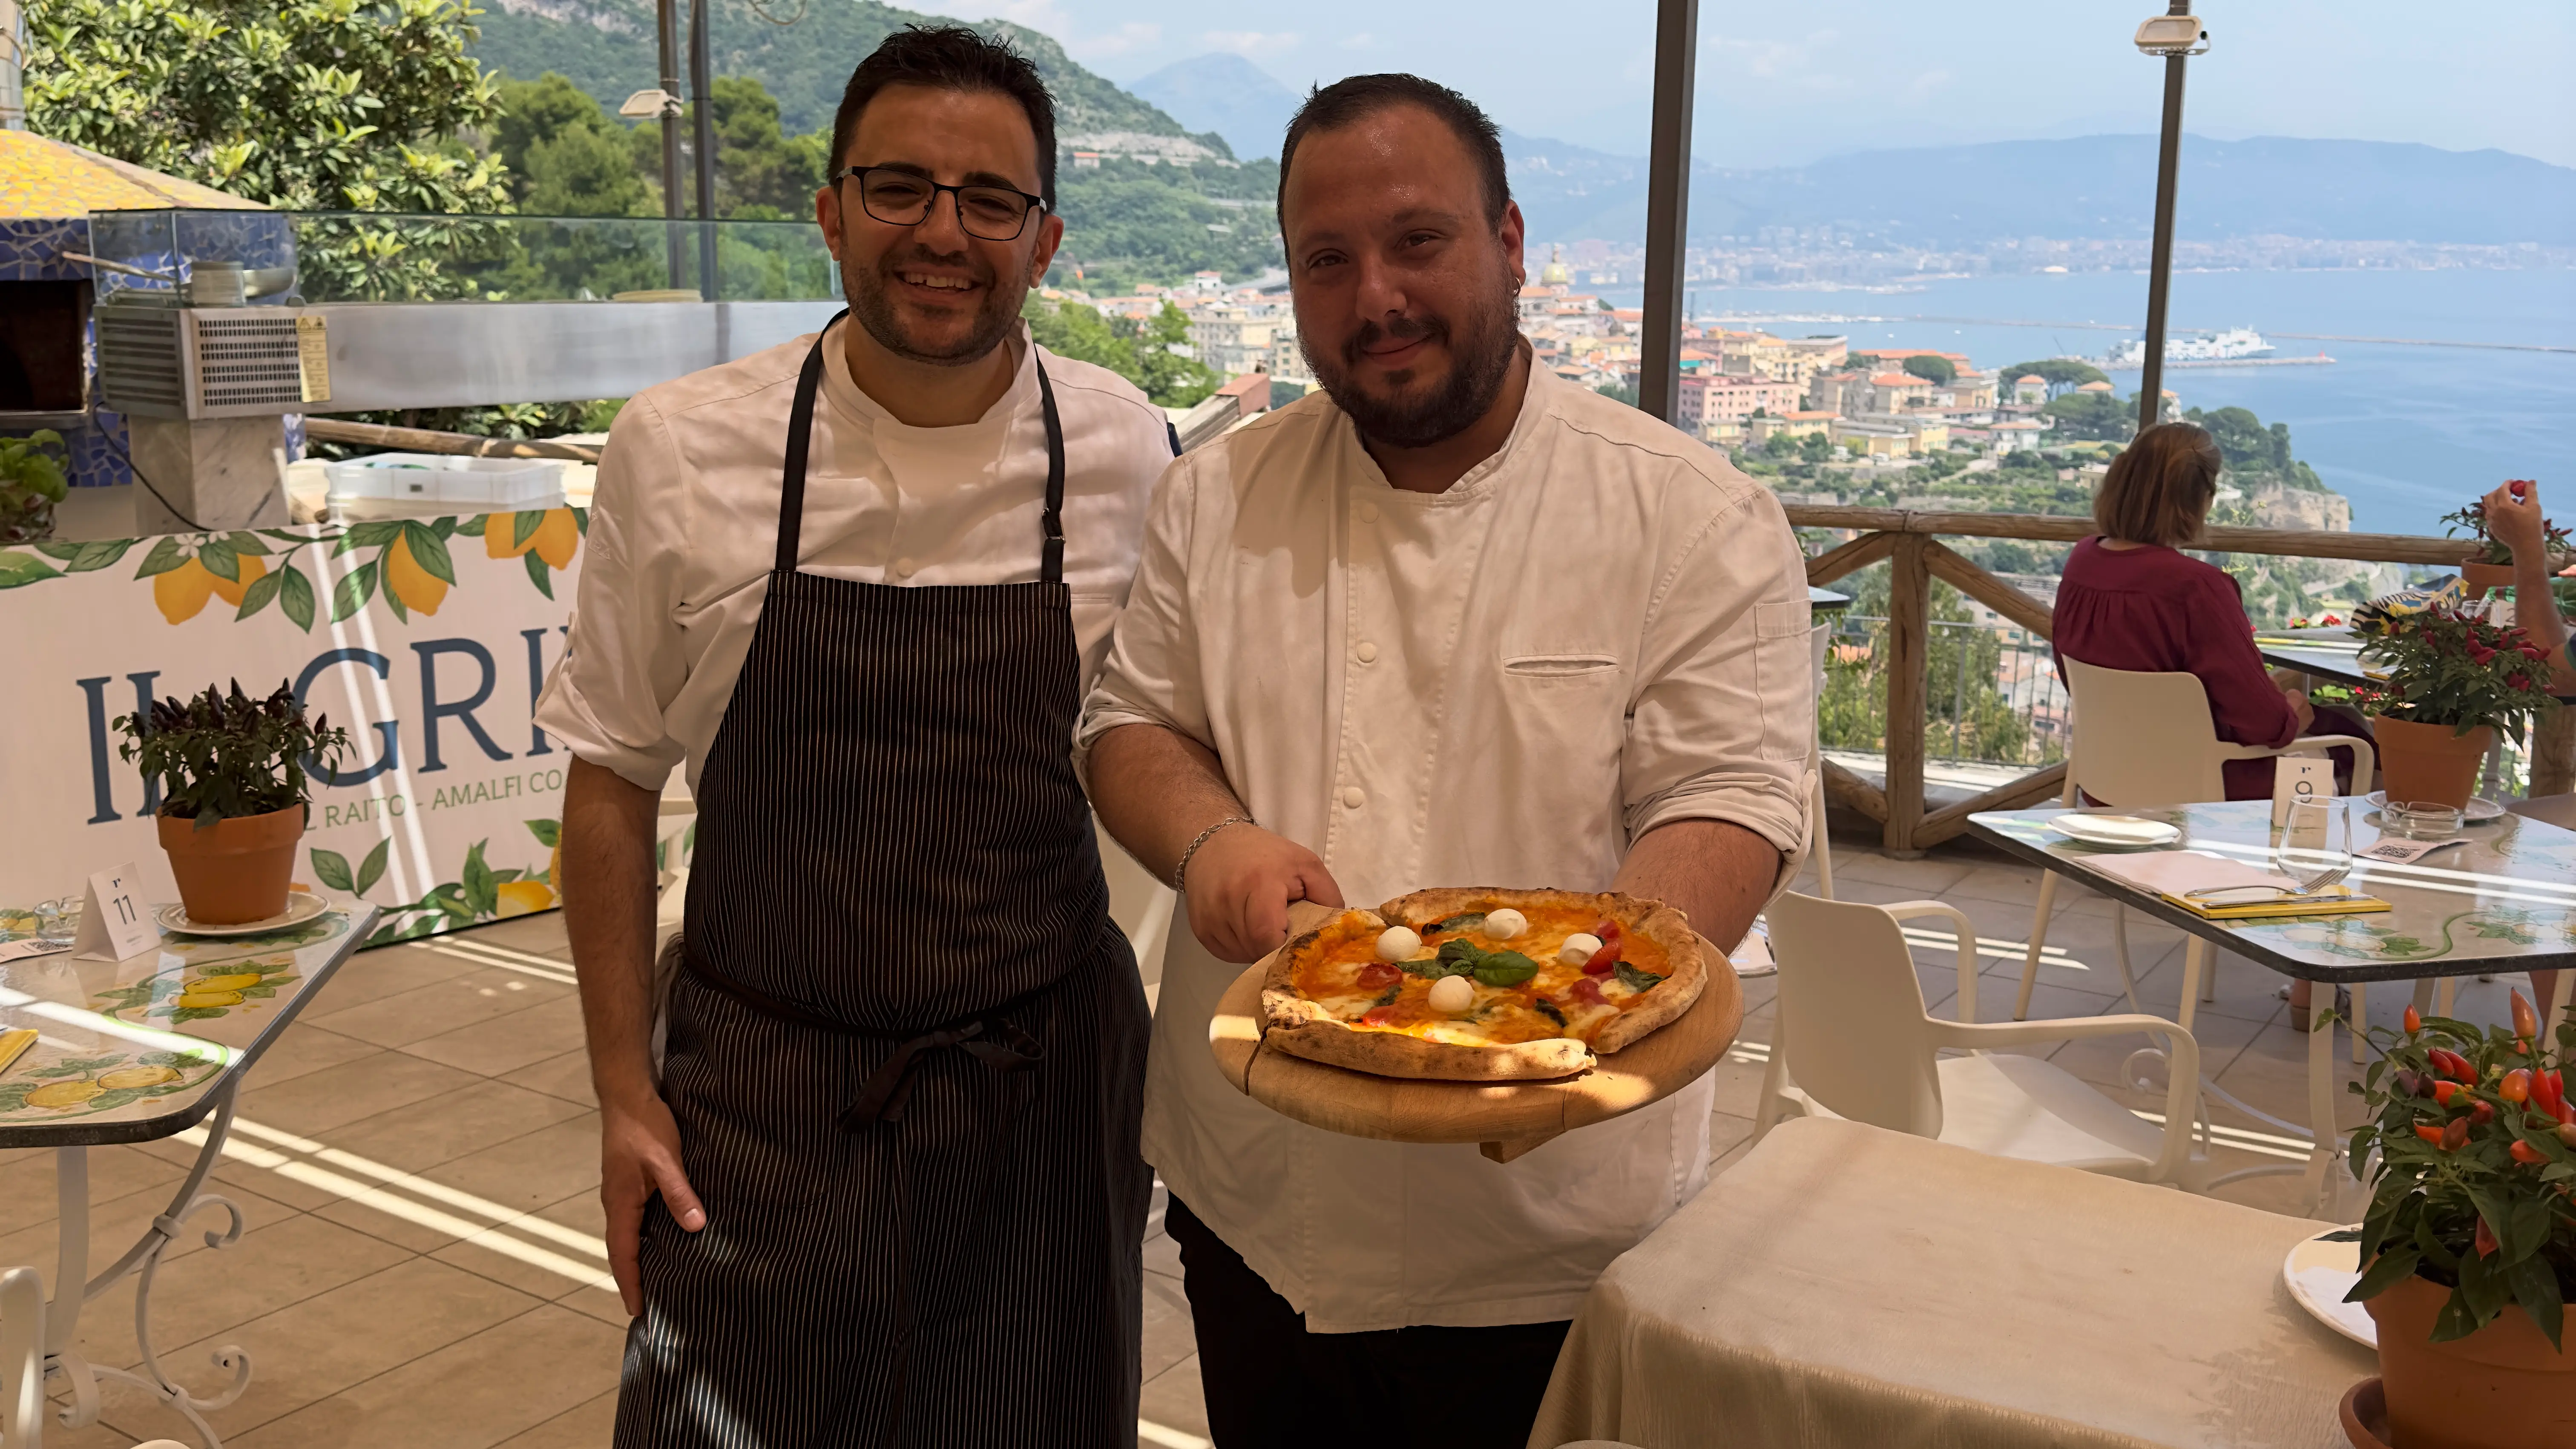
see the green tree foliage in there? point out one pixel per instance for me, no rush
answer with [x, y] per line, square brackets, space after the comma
[1127, 222]
[1931, 368]
[2060, 372]
[1967, 714]
[566, 155]
[762, 173]
[2099, 415]
[2255, 454]
[1142, 354]
[309, 104]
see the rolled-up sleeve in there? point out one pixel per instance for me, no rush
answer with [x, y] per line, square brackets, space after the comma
[624, 660]
[1152, 675]
[1723, 718]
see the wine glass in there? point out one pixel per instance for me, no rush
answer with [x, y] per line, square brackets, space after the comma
[2314, 848]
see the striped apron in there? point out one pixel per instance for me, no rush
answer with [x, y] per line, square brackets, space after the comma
[907, 1052]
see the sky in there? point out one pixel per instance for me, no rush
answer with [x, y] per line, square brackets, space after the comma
[1784, 84]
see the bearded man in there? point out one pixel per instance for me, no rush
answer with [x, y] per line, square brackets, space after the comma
[1451, 622]
[882, 1186]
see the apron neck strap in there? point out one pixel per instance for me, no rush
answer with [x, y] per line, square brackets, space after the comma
[800, 439]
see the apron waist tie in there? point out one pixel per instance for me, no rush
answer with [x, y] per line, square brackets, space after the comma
[989, 1038]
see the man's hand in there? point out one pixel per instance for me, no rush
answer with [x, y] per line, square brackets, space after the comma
[640, 1156]
[1239, 887]
[2301, 707]
[2516, 522]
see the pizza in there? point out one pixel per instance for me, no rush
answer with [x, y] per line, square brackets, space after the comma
[1481, 985]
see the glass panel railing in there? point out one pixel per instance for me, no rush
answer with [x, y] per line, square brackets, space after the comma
[346, 256]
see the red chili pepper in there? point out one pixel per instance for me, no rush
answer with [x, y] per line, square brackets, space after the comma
[2526, 1154]
[2429, 1134]
[2481, 1113]
[1378, 975]
[2486, 1240]
[2567, 1133]
[2455, 1134]
[2414, 1021]
[2516, 1086]
[2451, 1064]
[2549, 1089]
[2410, 1084]
[2522, 1045]
[2444, 1091]
[2526, 1022]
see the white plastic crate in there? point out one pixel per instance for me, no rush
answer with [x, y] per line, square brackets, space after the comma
[398, 485]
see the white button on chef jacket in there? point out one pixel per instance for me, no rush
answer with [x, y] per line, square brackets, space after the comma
[684, 530]
[1601, 629]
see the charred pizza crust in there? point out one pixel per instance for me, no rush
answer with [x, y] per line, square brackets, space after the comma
[1306, 1029]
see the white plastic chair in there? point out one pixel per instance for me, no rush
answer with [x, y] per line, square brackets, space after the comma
[1854, 1040]
[2144, 741]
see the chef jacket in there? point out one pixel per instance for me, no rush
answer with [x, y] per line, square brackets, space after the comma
[1599, 630]
[684, 529]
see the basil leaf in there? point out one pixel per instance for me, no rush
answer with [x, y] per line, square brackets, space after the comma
[1388, 999]
[1636, 980]
[1456, 958]
[1505, 968]
[1466, 921]
[1548, 1009]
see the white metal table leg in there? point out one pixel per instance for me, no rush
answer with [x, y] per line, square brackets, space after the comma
[74, 1288]
[22, 1358]
[2321, 1104]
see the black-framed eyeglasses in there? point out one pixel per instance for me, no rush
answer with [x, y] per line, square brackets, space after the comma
[904, 198]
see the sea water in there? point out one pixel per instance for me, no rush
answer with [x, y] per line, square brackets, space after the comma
[2407, 432]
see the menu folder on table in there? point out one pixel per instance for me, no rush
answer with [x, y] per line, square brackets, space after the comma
[2329, 901]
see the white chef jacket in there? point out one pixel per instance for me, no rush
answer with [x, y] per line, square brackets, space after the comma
[1598, 630]
[684, 529]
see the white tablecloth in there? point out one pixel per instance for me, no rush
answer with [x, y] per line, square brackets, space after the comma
[1844, 1285]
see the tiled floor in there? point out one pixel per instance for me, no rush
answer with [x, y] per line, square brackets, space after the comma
[418, 1163]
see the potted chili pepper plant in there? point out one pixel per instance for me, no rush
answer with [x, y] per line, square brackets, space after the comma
[234, 794]
[2470, 1243]
[2491, 567]
[2453, 680]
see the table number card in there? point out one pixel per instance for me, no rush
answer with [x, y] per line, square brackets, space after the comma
[2299, 777]
[113, 925]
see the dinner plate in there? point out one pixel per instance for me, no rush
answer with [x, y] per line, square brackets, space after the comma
[2479, 807]
[2318, 1274]
[2132, 831]
[301, 906]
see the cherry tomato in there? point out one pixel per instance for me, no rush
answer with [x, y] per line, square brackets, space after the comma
[1588, 991]
[1379, 975]
[1378, 1016]
[2526, 1154]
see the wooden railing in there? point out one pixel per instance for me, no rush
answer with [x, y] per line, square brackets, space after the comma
[1909, 542]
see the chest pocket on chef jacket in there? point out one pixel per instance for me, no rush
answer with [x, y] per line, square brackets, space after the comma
[1784, 671]
[1566, 708]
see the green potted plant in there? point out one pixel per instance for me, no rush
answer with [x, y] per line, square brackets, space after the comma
[2491, 567]
[2470, 1243]
[2453, 680]
[233, 794]
[31, 483]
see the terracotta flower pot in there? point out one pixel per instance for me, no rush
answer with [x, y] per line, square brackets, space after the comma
[2481, 576]
[2430, 761]
[2503, 1384]
[234, 870]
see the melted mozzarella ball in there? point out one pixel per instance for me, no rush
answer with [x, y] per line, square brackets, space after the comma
[1397, 943]
[1452, 994]
[1578, 948]
[1504, 924]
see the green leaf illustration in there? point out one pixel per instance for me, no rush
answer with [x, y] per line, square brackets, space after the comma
[333, 869]
[243, 542]
[258, 596]
[471, 528]
[524, 526]
[353, 591]
[539, 574]
[372, 869]
[480, 897]
[220, 560]
[60, 549]
[98, 554]
[549, 833]
[295, 596]
[17, 570]
[430, 552]
[166, 555]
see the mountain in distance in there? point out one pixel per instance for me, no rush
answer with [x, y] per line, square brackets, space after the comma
[1224, 93]
[606, 47]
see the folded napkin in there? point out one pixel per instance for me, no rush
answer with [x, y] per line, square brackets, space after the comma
[2175, 874]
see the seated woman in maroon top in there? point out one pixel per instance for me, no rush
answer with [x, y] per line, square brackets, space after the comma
[2129, 601]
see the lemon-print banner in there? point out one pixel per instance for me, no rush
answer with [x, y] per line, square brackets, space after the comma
[427, 639]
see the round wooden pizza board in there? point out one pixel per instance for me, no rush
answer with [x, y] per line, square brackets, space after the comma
[1505, 1118]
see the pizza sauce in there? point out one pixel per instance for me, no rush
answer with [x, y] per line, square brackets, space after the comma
[1521, 983]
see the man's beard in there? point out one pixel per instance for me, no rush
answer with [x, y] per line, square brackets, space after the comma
[870, 302]
[1480, 356]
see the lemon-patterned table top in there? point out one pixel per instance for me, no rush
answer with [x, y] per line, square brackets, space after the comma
[128, 1051]
[2505, 901]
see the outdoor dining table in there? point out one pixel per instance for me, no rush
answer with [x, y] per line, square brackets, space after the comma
[135, 1051]
[2332, 653]
[1847, 1285]
[2504, 901]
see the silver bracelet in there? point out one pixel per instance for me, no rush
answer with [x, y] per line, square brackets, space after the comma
[1181, 872]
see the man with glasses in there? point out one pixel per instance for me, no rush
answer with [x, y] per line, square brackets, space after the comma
[869, 1127]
